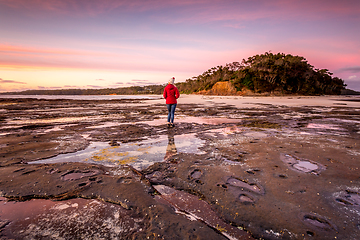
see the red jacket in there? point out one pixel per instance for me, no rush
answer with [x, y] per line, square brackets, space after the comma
[171, 93]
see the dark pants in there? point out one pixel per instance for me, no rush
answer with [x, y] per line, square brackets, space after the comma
[171, 109]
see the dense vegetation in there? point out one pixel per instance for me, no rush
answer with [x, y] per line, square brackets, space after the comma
[269, 73]
[265, 73]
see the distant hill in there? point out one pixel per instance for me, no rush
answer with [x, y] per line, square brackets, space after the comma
[265, 74]
[134, 90]
[349, 92]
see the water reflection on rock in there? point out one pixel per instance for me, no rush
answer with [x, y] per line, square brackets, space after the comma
[277, 171]
[201, 210]
[171, 147]
[74, 175]
[318, 222]
[139, 155]
[70, 219]
[349, 198]
[253, 187]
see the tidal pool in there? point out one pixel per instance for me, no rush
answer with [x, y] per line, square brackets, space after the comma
[189, 119]
[28, 120]
[163, 120]
[323, 126]
[302, 165]
[139, 155]
[70, 219]
[305, 166]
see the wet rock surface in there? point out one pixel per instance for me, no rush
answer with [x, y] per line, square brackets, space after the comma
[112, 169]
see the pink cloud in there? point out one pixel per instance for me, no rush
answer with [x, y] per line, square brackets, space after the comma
[94, 86]
[174, 11]
[92, 7]
[142, 82]
[48, 88]
[234, 13]
[354, 69]
[330, 8]
[84, 7]
[10, 81]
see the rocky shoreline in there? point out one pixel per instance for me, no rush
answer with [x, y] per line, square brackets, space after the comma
[261, 171]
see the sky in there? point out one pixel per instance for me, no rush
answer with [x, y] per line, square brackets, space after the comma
[57, 44]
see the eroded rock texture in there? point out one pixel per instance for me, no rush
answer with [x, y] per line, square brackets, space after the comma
[72, 169]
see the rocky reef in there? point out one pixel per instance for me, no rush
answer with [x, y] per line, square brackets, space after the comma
[111, 169]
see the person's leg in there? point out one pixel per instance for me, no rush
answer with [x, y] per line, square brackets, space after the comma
[173, 107]
[169, 110]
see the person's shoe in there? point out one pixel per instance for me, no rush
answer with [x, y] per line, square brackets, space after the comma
[168, 125]
[172, 125]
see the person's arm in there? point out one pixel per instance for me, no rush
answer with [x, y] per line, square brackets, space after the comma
[177, 94]
[165, 94]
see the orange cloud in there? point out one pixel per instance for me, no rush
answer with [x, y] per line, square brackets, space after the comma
[12, 49]
[145, 58]
[14, 57]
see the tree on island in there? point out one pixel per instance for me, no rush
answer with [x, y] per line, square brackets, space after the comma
[268, 73]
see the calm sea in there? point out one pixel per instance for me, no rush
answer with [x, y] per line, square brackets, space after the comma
[84, 97]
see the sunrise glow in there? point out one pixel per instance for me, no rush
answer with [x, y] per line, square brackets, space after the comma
[117, 43]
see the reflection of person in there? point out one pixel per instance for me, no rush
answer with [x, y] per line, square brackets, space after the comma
[171, 94]
[171, 148]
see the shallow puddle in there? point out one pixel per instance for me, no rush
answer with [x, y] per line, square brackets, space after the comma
[246, 198]
[50, 120]
[253, 187]
[163, 121]
[349, 198]
[226, 131]
[318, 222]
[10, 127]
[323, 126]
[256, 134]
[188, 119]
[71, 176]
[302, 165]
[22, 121]
[106, 124]
[70, 219]
[199, 209]
[305, 166]
[54, 129]
[139, 155]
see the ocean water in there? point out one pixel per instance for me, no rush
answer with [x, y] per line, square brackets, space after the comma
[84, 97]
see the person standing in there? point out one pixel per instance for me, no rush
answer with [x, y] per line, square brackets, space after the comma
[171, 94]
